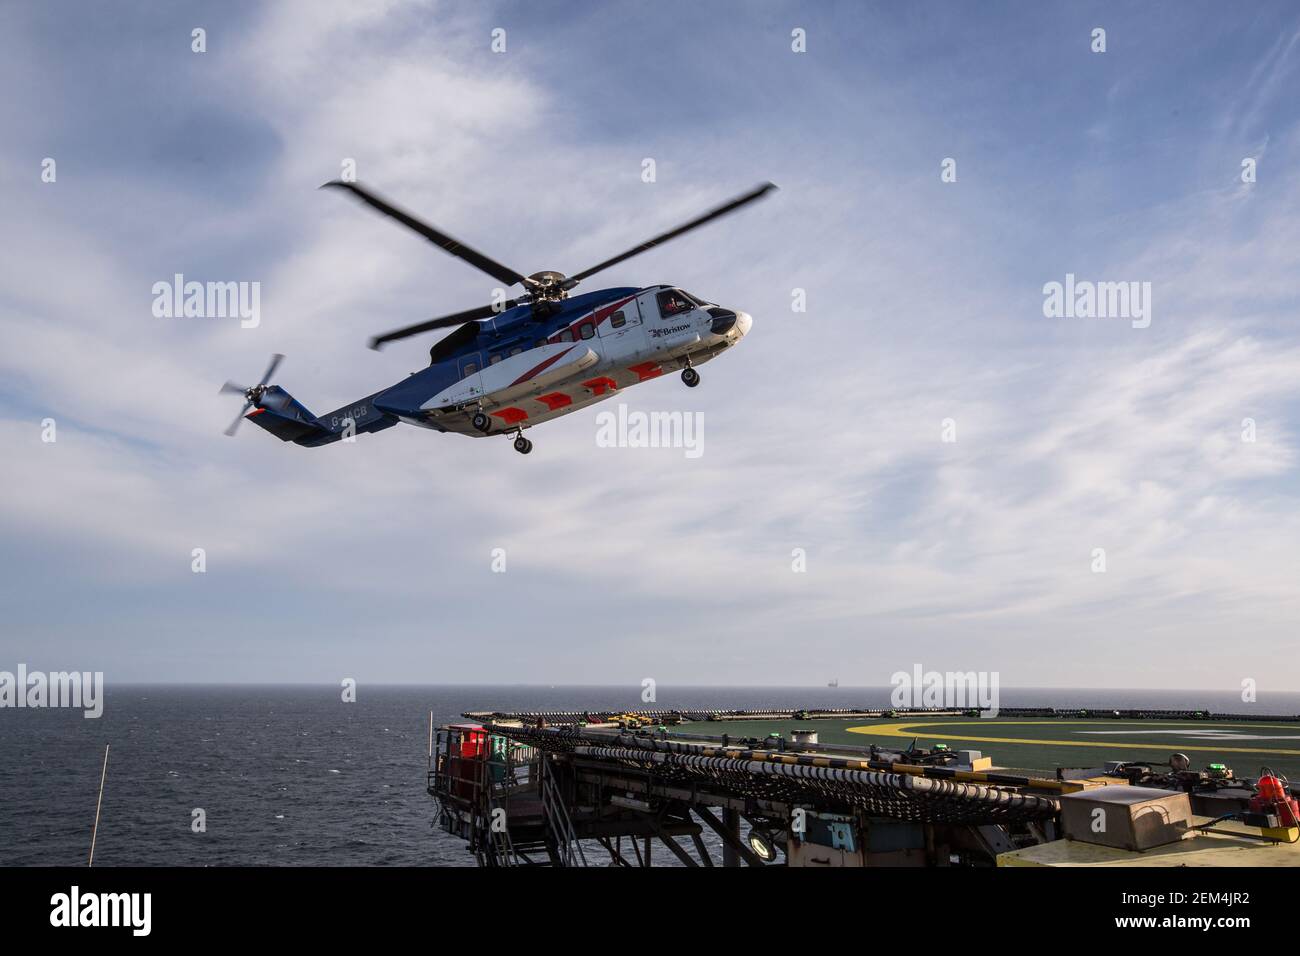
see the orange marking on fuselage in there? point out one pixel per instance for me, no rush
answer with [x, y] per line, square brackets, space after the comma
[511, 415]
[601, 385]
[555, 400]
[646, 370]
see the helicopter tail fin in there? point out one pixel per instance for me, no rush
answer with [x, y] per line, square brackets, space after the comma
[286, 418]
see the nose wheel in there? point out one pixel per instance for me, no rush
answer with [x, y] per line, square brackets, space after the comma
[690, 377]
[523, 445]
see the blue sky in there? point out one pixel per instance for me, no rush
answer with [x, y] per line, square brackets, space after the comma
[822, 431]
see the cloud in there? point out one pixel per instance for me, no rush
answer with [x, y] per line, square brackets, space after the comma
[822, 432]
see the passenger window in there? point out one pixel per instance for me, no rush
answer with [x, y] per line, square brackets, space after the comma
[471, 368]
[588, 330]
[618, 320]
[566, 335]
[494, 360]
[515, 351]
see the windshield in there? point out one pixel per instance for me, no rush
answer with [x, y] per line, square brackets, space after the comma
[675, 302]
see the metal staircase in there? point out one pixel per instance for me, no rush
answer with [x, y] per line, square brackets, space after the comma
[476, 774]
[565, 848]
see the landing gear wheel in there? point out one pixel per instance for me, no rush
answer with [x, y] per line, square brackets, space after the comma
[523, 445]
[690, 377]
[481, 421]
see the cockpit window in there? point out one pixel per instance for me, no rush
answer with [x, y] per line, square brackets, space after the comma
[675, 302]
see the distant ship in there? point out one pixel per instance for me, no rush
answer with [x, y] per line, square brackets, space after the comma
[833, 683]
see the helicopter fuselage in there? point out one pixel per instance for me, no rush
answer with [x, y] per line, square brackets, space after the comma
[519, 362]
[530, 365]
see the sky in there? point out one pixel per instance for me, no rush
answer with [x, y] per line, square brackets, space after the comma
[827, 530]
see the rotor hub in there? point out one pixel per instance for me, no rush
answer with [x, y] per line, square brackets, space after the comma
[548, 285]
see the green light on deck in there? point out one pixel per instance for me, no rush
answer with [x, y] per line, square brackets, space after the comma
[940, 746]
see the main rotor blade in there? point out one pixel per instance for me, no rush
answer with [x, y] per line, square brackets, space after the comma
[233, 388]
[234, 426]
[440, 239]
[276, 359]
[756, 193]
[460, 318]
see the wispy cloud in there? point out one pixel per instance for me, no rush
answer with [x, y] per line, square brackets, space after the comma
[822, 433]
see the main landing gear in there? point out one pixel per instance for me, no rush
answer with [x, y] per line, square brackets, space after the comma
[690, 377]
[481, 421]
[522, 444]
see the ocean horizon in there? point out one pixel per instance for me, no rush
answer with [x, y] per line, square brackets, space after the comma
[290, 774]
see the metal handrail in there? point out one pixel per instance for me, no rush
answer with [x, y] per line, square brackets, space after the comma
[482, 783]
[554, 811]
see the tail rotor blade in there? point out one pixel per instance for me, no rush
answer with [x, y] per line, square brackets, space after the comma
[234, 426]
[252, 396]
[276, 359]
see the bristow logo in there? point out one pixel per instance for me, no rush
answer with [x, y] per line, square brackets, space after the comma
[651, 430]
[1098, 300]
[210, 300]
[103, 909]
[660, 333]
[56, 689]
[955, 689]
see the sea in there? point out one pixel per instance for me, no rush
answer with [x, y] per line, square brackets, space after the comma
[295, 775]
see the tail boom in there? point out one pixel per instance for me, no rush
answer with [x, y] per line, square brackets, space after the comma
[287, 419]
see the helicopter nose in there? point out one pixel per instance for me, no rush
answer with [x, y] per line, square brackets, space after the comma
[727, 322]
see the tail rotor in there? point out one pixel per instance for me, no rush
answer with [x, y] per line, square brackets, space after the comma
[252, 393]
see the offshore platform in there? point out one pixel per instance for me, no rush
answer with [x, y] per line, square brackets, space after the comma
[585, 789]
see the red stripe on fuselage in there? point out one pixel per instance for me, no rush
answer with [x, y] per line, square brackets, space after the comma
[595, 318]
[604, 312]
[542, 367]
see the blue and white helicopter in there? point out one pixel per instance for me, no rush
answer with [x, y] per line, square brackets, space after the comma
[520, 362]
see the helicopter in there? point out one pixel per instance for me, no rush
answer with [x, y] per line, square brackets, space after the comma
[517, 363]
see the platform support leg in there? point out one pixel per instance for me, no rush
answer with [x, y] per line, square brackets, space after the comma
[702, 850]
[731, 823]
